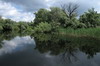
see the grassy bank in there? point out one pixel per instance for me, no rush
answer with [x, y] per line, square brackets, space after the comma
[92, 32]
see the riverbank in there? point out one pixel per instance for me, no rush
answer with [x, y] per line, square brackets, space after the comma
[92, 32]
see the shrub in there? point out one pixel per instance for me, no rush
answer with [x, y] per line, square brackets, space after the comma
[43, 27]
[1, 28]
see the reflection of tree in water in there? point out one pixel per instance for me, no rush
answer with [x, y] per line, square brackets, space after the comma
[56, 44]
[69, 54]
[91, 46]
[67, 46]
[8, 35]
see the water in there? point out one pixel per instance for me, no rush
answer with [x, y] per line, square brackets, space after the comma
[49, 50]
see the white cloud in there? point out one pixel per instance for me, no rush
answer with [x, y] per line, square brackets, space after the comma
[7, 10]
[23, 11]
[49, 3]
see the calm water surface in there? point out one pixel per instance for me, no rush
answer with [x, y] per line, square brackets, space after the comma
[49, 50]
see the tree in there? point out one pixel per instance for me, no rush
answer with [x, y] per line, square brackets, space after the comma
[70, 10]
[43, 27]
[55, 14]
[8, 25]
[90, 18]
[71, 13]
[41, 16]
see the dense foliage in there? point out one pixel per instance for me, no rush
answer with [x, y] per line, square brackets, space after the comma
[51, 20]
[90, 18]
[10, 25]
[43, 27]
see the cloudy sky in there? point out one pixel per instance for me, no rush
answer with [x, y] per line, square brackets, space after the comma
[22, 10]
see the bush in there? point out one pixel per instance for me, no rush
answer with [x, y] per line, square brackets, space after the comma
[43, 27]
[29, 29]
[90, 18]
[55, 26]
[7, 27]
[1, 28]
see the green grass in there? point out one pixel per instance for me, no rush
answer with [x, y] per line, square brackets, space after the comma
[92, 32]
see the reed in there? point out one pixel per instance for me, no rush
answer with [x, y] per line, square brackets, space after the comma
[92, 32]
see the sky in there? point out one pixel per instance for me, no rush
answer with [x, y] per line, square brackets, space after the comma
[23, 10]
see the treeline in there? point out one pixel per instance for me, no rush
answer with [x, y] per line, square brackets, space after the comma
[50, 20]
[10, 25]
[65, 17]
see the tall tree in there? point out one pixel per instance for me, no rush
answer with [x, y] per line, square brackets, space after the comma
[41, 16]
[70, 10]
[55, 14]
[90, 18]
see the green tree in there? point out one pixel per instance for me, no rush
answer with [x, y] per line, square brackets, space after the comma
[41, 16]
[55, 14]
[58, 16]
[70, 10]
[71, 13]
[43, 27]
[8, 25]
[90, 18]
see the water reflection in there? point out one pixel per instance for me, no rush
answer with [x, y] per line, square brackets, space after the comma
[67, 46]
[9, 46]
[49, 50]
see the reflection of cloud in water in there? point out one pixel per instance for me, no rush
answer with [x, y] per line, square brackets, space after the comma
[10, 46]
[48, 55]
